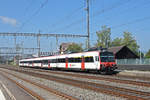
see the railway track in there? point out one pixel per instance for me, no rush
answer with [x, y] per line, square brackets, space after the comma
[109, 79]
[133, 77]
[110, 90]
[57, 93]
[24, 88]
[139, 83]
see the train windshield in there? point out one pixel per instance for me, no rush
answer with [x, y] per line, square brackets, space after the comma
[107, 57]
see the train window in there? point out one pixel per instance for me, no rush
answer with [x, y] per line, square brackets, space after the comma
[53, 61]
[86, 59]
[37, 61]
[45, 61]
[107, 57]
[89, 59]
[40, 61]
[50, 60]
[59, 60]
[74, 60]
[96, 58]
[62, 60]
[77, 60]
[70, 60]
[30, 62]
[25, 62]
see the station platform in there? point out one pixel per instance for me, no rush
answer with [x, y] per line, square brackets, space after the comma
[10, 91]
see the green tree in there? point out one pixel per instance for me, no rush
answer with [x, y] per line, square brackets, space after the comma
[75, 47]
[117, 42]
[104, 38]
[147, 54]
[130, 42]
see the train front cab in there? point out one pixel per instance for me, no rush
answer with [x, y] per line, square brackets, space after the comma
[107, 62]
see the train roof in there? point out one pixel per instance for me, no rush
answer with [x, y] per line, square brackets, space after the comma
[64, 55]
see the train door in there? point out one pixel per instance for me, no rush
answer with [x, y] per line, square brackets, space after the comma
[41, 63]
[53, 63]
[45, 63]
[96, 62]
[57, 64]
[82, 63]
[66, 63]
[32, 63]
[49, 64]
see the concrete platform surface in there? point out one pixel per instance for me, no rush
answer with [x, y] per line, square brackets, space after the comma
[11, 91]
[2, 97]
[135, 73]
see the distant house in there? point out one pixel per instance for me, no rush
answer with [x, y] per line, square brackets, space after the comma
[64, 46]
[123, 52]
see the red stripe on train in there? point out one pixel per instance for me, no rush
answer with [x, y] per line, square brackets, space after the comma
[32, 64]
[82, 64]
[41, 64]
[66, 63]
[49, 66]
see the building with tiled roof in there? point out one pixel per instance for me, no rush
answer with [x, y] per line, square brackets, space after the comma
[121, 52]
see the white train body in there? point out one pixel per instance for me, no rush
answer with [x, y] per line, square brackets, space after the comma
[84, 61]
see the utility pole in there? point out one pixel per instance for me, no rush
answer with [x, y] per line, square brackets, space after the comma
[22, 48]
[38, 43]
[57, 43]
[15, 50]
[88, 24]
[140, 57]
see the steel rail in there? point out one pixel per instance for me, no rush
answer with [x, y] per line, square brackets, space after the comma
[110, 90]
[138, 83]
[24, 88]
[58, 93]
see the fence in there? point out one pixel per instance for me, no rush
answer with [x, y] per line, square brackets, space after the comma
[133, 61]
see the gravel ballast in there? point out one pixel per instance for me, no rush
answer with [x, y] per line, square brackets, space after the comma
[127, 86]
[79, 93]
[45, 94]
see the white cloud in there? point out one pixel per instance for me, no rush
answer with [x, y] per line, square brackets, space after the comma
[8, 20]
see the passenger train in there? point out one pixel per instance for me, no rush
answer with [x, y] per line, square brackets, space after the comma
[101, 61]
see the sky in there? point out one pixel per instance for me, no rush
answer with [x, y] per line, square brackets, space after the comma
[69, 17]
